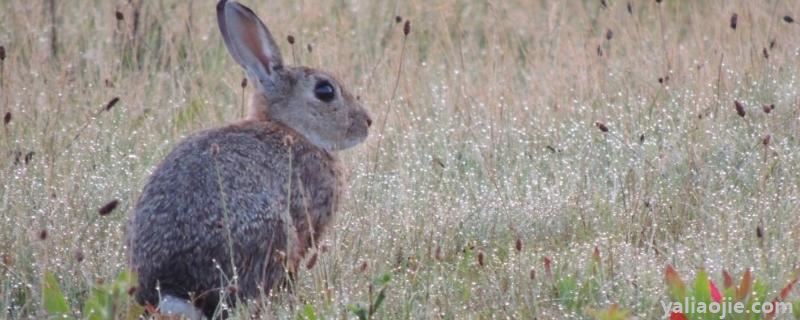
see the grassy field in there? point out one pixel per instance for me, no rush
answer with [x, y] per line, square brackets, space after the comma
[530, 159]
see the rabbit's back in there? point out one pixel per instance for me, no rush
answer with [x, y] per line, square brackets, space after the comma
[224, 189]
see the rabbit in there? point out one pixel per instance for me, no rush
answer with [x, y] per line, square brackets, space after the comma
[230, 211]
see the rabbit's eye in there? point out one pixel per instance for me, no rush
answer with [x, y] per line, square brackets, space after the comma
[324, 91]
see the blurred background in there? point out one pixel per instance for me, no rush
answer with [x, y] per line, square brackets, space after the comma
[529, 159]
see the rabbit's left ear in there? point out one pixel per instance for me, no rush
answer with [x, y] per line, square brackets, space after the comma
[248, 40]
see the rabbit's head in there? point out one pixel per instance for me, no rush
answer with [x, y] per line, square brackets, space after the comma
[309, 101]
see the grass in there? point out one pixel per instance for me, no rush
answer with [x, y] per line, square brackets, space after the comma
[491, 139]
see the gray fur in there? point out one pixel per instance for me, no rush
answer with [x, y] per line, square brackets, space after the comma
[231, 211]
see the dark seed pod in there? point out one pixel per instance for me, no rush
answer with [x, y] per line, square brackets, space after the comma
[407, 28]
[108, 207]
[766, 140]
[739, 108]
[119, 15]
[788, 19]
[244, 82]
[7, 118]
[518, 245]
[111, 103]
[604, 4]
[734, 21]
[398, 19]
[601, 126]
[548, 266]
[609, 34]
[759, 232]
[768, 108]
[765, 53]
[309, 48]
[630, 8]
[290, 38]
[29, 157]
[2, 53]
[480, 258]
[772, 44]
[79, 256]
[43, 234]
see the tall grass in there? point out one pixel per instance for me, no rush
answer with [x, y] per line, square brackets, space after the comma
[493, 141]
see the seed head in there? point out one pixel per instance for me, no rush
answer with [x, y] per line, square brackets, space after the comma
[609, 34]
[2, 53]
[788, 19]
[7, 118]
[765, 141]
[759, 232]
[244, 82]
[309, 48]
[398, 19]
[765, 53]
[480, 258]
[768, 108]
[734, 21]
[532, 274]
[43, 234]
[8, 260]
[108, 207]
[518, 245]
[547, 266]
[630, 8]
[601, 126]
[290, 38]
[407, 27]
[111, 104]
[118, 14]
[739, 108]
[29, 157]
[79, 256]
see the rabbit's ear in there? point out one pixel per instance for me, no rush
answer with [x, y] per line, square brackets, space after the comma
[248, 40]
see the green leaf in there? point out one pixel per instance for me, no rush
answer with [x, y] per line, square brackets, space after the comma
[54, 301]
[358, 310]
[383, 279]
[614, 312]
[702, 293]
[378, 301]
[309, 313]
[97, 304]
